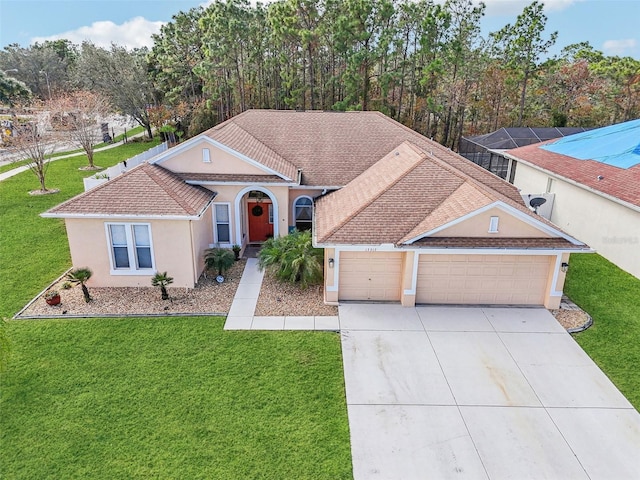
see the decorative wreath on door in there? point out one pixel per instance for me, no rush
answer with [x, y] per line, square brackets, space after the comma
[257, 211]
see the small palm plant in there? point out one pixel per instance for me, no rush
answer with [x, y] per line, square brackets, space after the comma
[292, 258]
[220, 259]
[162, 280]
[81, 276]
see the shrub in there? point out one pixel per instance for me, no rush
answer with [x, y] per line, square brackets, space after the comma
[292, 258]
[81, 276]
[162, 280]
[219, 259]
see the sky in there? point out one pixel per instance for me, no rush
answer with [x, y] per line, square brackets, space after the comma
[611, 26]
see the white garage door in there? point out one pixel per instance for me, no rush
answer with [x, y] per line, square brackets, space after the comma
[483, 279]
[370, 276]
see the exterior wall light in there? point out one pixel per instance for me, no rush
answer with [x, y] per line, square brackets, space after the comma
[331, 263]
[564, 267]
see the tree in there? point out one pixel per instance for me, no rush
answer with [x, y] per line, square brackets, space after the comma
[220, 259]
[33, 142]
[121, 76]
[522, 44]
[12, 91]
[81, 112]
[292, 258]
[162, 280]
[81, 276]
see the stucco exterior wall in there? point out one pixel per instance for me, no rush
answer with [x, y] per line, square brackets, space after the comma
[606, 226]
[190, 161]
[202, 237]
[478, 226]
[172, 252]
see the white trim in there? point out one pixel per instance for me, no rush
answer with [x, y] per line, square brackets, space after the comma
[414, 276]
[132, 270]
[215, 225]
[493, 224]
[203, 138]
[237, 205]
[554, 282]
[336, 272]
[126, 217]
[543, 227]
[234, 183]
[624, 203]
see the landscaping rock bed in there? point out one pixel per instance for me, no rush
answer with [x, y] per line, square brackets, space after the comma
[207, 297]
[280, 299]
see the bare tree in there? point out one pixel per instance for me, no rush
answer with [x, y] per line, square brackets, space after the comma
[80, 113]
[33, 142]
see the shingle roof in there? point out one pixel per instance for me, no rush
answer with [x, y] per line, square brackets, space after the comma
[146, 190]
[332, 148]
[230, 177]
[373, 208]
[620, 183]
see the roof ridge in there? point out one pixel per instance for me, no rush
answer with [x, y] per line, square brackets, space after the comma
[155, 176]
[422, 157]
[271, 151]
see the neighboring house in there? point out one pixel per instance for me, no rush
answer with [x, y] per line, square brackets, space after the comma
[486, 150]
[595, 179]
[400, 217]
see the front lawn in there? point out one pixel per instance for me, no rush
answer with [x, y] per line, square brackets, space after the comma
[34, 250]
[612, 297]
[172, 398]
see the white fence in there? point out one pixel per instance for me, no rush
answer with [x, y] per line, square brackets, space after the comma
[112, 172]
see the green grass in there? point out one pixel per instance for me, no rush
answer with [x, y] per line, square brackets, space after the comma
[118, 138]
[34, 250]
[612, 298]
[152, 397]
[170, 398]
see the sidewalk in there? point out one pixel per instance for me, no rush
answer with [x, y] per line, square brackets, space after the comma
[24, 168]
[241, 314]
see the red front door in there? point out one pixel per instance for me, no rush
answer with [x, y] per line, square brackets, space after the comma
[259, 226]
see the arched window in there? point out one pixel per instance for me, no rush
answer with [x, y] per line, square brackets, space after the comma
[303, 213]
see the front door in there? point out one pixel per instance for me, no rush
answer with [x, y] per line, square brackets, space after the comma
[260, 221]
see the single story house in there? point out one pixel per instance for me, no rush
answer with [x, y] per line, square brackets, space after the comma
[594, 178]
[400, 217]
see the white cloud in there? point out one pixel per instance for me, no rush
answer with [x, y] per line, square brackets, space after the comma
[133, 33]
[515, 7]
[620, 47]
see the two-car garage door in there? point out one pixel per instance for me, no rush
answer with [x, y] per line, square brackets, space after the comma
[483, 279]
[450, 279]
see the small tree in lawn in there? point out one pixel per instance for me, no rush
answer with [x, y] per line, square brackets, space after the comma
[33, 142]
[293, 258]
[81, 276]
[162, 280]
[219, 259]
[82, 112]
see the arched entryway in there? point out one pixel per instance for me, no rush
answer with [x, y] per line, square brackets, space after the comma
[256, 215]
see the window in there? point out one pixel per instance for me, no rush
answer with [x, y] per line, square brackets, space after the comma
[222, 226]
[303, 213]
[271, 213]
[493, 224]
[206, 156]
[130, 247]
[549, 185]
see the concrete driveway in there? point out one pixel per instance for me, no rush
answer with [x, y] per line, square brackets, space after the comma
[479, 393]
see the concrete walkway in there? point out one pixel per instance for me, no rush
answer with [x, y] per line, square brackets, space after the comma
[242, 312]
[24, 168]
[479, 393]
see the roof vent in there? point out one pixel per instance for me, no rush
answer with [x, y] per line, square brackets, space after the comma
[600, 177]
